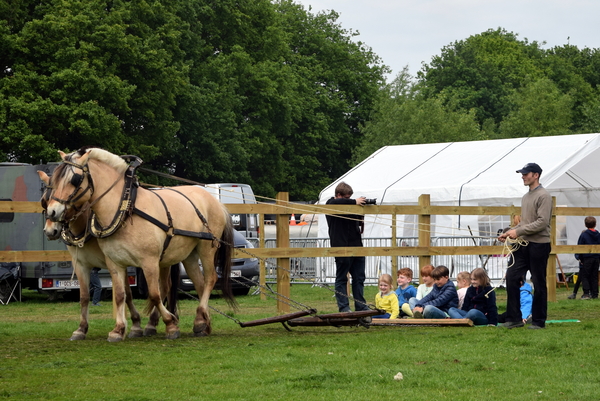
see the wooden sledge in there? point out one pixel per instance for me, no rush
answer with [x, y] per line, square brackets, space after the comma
[422, 322]
[359, 318]
[277, 319]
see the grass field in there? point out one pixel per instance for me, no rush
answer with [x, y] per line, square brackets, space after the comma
[38, 362]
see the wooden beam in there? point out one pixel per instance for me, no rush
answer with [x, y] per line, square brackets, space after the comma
[283, 260]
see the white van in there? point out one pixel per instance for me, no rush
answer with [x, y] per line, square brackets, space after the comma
[247, 224]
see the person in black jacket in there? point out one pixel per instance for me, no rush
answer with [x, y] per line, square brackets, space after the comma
[346, 230]
[480, 301]
[442, 297]
[589, 262]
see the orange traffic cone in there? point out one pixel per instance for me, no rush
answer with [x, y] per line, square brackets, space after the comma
[293, 220]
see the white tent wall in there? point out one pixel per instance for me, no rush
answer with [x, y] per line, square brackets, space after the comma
[478, 173]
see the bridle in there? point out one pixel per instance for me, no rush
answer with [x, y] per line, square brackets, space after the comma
[76, 181]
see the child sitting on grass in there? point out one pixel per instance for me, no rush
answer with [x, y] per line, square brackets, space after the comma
[423, 290]
[480, 301]
[463, 281]
[442, 297]
[386, 299]
[405, 290]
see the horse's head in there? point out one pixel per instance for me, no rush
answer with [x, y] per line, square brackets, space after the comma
[71, 185]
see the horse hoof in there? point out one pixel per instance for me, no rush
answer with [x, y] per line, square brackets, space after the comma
[76, 336]
[173, 336]
[136, 333]
[201, 330]
[149, 332]
[114, 338]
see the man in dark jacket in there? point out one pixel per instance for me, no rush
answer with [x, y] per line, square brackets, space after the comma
[346, 230]
[442, 297]
[589, 262]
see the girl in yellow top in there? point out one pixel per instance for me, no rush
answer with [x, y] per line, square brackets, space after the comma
[386, 299]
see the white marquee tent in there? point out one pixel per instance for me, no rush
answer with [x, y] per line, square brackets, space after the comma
[478, 173]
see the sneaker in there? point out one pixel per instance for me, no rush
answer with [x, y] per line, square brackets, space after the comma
[97, 304]
[512, 325]
[345, 310]
[418, 315]
[535, 327]
[572, 296]
[586, 296]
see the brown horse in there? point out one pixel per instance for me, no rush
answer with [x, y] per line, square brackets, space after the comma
[139, 227]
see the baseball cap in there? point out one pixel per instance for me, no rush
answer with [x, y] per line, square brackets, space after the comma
[530, 168]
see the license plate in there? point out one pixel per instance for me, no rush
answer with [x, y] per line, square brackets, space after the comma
[67, 283]
[236, 273]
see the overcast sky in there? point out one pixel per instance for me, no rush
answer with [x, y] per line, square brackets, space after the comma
[408, 32]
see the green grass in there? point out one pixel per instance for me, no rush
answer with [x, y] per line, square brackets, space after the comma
[37, 361]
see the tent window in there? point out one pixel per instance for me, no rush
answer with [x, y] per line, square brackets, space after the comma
[490, 226]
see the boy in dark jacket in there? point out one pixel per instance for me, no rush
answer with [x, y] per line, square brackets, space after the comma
[442, 297]
[589, 262]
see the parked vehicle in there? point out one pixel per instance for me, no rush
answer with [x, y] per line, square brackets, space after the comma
[24, 232]
[244, 271]
[247, 224]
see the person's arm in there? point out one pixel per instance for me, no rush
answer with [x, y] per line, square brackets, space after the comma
[447, 293]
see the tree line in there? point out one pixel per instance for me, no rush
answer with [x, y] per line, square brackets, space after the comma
[262, 92]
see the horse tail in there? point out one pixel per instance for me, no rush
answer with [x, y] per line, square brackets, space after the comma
[223, 259]
[174, 289]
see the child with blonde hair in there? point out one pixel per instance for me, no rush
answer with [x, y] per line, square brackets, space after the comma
[386, 299]
[480, 301]
[463, 281]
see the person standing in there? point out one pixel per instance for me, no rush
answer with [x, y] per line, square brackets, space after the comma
[589, 262]
[346, 231]
[536, 211]
[95, 287]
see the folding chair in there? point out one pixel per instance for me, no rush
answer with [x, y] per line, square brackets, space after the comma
[10, 283]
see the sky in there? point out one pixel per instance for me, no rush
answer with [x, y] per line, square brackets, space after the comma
[408, 32]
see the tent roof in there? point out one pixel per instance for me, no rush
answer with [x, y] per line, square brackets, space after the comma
[477, 170]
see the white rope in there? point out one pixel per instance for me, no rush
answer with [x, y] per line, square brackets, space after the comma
[510, 246]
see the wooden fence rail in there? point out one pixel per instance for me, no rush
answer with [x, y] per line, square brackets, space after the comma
[283, 209]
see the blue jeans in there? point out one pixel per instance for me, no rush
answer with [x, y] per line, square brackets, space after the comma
[95, 286]
[476, 316]
[356, 267]
[384, 316]
[431, 312]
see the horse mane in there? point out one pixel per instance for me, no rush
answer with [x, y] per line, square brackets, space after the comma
[106, 157]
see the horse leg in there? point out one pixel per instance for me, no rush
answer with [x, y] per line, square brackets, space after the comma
[204, 283]
[136, 320]
[150, 329]
[118, 276]
[165, 286]
[155, 299]
[83, 275]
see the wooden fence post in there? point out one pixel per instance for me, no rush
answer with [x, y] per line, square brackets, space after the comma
[424, 230]
[282, 222]
[262, 280]
[551, 265]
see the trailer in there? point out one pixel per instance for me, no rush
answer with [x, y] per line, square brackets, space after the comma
[25, 232]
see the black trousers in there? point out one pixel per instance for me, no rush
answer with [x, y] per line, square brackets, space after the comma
[532, 258]
[589, 279]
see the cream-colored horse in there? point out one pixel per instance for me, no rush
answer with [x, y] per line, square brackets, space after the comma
[152, 231]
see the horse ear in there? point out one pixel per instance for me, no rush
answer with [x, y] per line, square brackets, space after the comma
[62, 154]
[44, 177]
[83, 159]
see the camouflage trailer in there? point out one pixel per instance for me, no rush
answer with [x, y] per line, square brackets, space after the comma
[25, 232]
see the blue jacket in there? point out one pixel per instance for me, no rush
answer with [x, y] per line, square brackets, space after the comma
[475, 299]
[405, 294]
[588, 237]
[443, 298]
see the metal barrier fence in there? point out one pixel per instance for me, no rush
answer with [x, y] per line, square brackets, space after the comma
[322, 270]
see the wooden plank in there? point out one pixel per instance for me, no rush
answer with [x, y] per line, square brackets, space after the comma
[35, 256]
[422, 322]
[277, 319]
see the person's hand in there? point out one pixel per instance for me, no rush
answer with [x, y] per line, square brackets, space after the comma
[509, 234]
[361, 201]
[418, 309]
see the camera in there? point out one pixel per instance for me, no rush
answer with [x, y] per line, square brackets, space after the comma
[371, 201]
